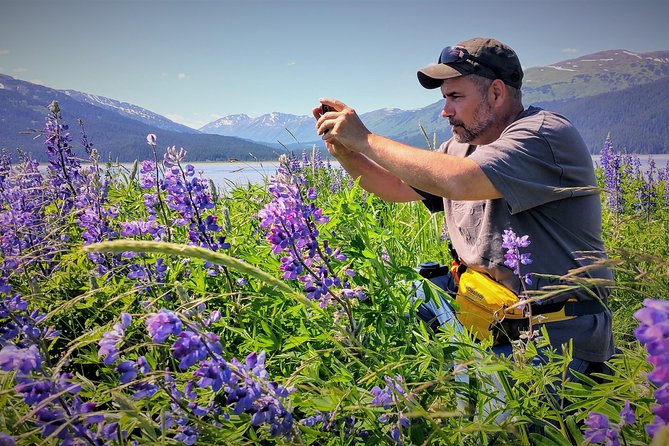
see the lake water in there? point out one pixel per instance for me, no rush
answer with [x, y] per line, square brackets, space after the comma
[226, 175]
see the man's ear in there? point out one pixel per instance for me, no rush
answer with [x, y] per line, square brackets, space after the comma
[498, 91]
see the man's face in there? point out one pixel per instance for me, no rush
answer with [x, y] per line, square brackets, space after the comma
[468, 111]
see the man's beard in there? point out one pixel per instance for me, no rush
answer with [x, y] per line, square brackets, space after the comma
[483, 120]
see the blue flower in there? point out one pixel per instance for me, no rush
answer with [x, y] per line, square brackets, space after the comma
[653, 332]
[513, 257]
[128, 371]
[163, 324]
[6, 440]
[25, 360]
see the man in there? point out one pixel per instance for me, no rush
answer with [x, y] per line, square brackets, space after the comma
[506, 167]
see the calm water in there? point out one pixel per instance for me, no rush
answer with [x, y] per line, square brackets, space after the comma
[226, 175]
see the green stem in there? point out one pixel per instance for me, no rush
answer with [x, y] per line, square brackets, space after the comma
[197, 252]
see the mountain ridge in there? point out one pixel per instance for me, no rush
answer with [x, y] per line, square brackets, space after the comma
[602, 72]
[23, 110]
[586, 89]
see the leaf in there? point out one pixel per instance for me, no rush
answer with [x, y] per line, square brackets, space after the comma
[294, 341]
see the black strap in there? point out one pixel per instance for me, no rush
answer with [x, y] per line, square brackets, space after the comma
[579, 308]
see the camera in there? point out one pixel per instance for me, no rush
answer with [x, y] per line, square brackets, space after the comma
[324, 110]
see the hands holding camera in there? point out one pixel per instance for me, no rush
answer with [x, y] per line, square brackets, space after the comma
[341, 128]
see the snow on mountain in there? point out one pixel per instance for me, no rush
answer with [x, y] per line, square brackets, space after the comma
[129, 110]
[271, 127]
[585, 76]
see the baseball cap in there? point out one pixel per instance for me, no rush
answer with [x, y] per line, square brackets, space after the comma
[483, 56]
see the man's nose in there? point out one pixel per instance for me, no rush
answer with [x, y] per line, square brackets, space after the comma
[448, 111]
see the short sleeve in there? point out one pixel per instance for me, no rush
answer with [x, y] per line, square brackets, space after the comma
[533, 164]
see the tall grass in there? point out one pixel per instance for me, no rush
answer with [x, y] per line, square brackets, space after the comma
[145, 308]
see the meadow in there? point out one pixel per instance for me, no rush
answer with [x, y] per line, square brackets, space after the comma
[147, 307]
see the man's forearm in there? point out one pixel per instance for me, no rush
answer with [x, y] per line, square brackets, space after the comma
[438, 173]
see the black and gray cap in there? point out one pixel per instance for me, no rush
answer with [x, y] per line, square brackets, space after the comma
[483, 56]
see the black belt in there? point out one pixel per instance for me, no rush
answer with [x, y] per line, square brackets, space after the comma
[571, 307]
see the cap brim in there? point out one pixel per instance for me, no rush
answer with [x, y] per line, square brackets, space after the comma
[433, 76]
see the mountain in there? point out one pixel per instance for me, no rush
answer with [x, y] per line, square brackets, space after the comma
[601, 72]
[617, 91]
[564, 86]
[116, 129]
[266, 128]
[636, 117]
[270, 128]
[130, 111]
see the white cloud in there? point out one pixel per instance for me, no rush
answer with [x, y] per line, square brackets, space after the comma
[20, 70]
[182, 76]
[290, 64]
[4, 52]
[569, 50]
[37, 81]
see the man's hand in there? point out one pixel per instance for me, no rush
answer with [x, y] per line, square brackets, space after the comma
[341, 127]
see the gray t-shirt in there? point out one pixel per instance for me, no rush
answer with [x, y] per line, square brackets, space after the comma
[533, 164]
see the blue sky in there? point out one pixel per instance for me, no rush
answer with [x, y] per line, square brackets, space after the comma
[195, 61]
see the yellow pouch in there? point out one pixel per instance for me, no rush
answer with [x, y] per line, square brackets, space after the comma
[483, 302]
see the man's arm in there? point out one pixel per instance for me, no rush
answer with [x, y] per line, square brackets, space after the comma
[374, 178]
[438, 173]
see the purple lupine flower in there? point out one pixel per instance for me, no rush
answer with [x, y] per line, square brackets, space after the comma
[26, 239]
[613, 177]
[393, 396]
[191, 199]
[64, 167]
[112, 339]
[646, 195]
[627, 415]
[189, 349]
[213, 374]
[128, 371]
[6, 440]
[513, 257]
[653, 333]
[163, 324]
[599, 429]
[251, 391]
[333, 422]
[25, 360]
[291, 221]
[143, 365]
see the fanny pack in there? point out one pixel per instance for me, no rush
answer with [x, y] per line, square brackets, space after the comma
[484, 307]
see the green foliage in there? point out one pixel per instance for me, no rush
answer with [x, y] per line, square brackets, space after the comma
[457, 391]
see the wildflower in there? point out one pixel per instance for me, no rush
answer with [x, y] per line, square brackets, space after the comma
[163, 324]
[627, 416]
[653, 333]
[613, 177]
[291, 221]
[599, 430]
[112, 339]
[393, 396]
[128, 371]
[25, 360]
[189, 349]
[513, 258]
[6, 440]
